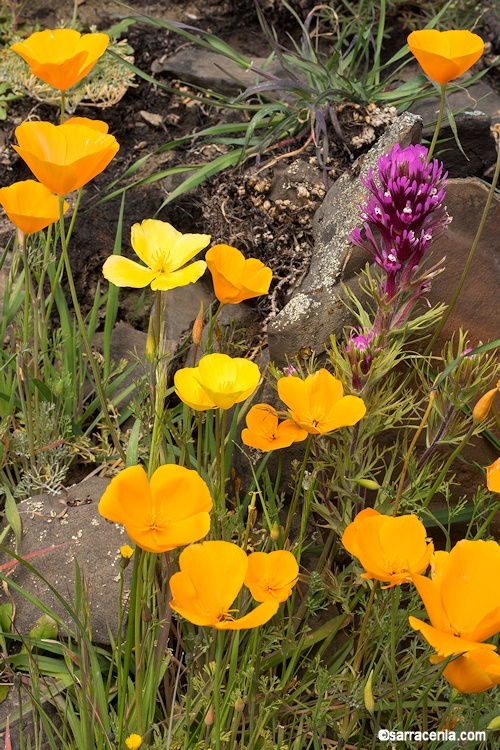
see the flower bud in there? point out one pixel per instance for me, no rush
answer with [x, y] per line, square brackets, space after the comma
[150, 340]
[239, 705]
[275, 532]
[368, 694]
[209, 717]
[494, 724]
[198, 326]
[369, 484]
[483, 406]
[126, 552]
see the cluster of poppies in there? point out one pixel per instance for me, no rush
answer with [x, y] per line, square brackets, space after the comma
[174, 511]
[461, 597]
[62, 157]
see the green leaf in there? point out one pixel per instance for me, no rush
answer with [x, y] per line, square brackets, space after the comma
[13, 517]
[133, 444]
[4, 692]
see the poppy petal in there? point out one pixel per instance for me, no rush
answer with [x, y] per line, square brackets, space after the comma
[124, 272]
[253, 619]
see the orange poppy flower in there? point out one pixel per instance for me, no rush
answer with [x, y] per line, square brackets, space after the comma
[462, 598]
[30, 205]
[236, 278]
[66, 157]
[271, 576]
[493, 476]
[445, 55]
[224, 381]
[318, 403]
[169, 511]
[264, 432]
[61, 57]
[473, 672]
[165, 251]
[211, 577]
[389, 548]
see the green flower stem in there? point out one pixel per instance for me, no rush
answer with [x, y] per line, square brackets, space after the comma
[85, 338]
[413, 443]
[63, 107]
[220, 473]
[136, 613]
[438, 123]
[129, 644]
[470, 257]
[219, 661]
[155, 457]
[395, 594]
[199, 442]
[31, 424]
[211, 327]
[51, 298]
[298, 488]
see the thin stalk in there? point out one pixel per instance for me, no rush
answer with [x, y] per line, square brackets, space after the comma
[395, 593]
[438, 123]
[470, 257]
[211, 327]
[298, 488]
[85, 338]
[129, 644]
[413, 443]
[219, 660]
[63, 103]
[160, 382]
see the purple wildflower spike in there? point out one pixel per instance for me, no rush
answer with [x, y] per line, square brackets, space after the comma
[404, 214]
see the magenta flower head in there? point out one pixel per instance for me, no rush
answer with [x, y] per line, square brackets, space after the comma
[404, 214]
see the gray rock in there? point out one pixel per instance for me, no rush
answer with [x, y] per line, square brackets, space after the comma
[56, 531]
[210, 71]
[316, 309]
[129, 344]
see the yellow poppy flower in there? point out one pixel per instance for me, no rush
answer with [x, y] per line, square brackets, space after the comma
[169, 511]
[224, 381]
[445, 55]
[61, 57]
[389, 548]
[189, 390]
[493, 476]
[265, 433]
[30, 205]
[211, 577]
[271, 576]
[236, 278]
[66, 157]
[164, 251]
[318, 403]
[462, 598]
[473, 672]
